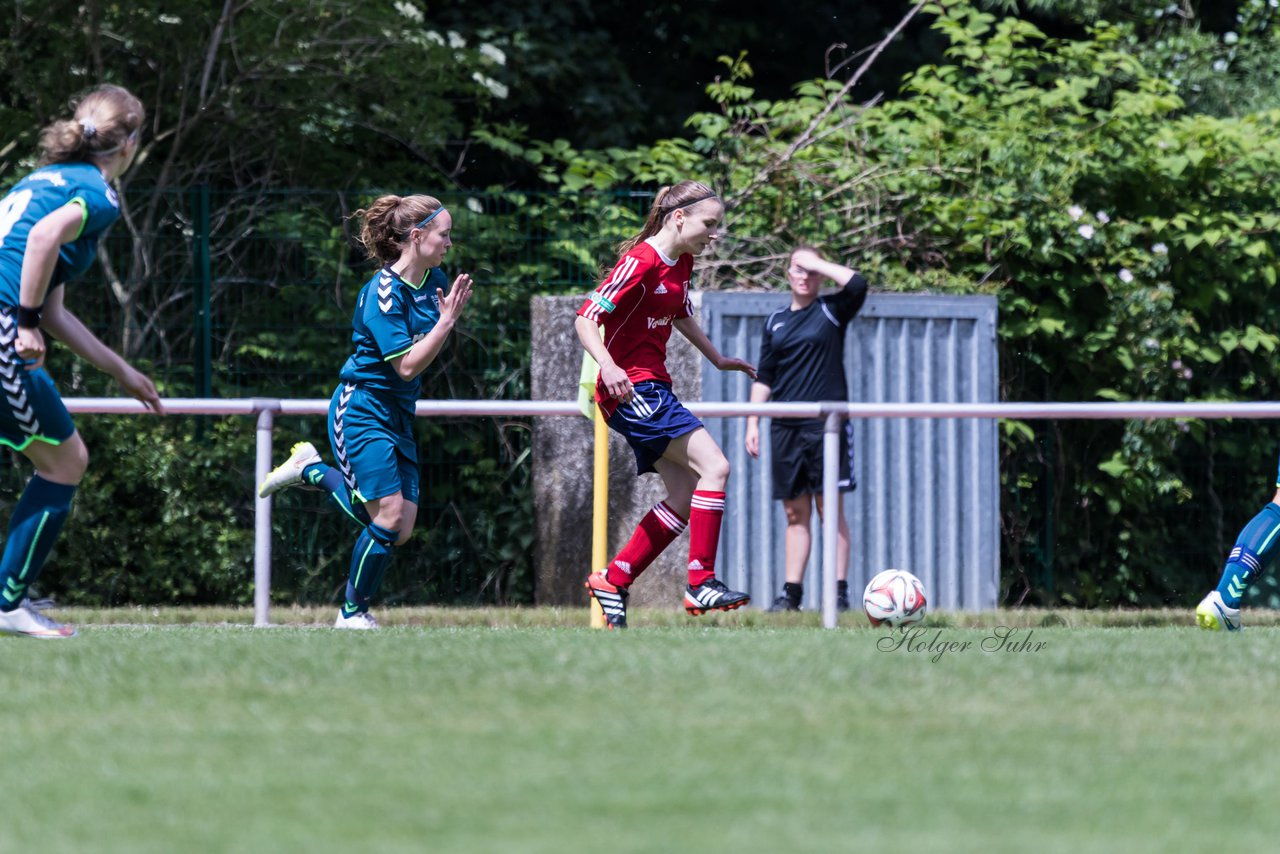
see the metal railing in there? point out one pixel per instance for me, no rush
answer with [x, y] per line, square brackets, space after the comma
[834, 413]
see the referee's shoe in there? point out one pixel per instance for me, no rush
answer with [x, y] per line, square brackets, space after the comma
[712, 595]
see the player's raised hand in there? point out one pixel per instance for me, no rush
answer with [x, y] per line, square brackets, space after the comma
[451, 306]
[806, 259]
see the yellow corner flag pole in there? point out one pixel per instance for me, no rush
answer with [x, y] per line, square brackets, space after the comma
[600, 493]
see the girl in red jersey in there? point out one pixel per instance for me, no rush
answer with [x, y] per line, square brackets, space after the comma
[637, 304]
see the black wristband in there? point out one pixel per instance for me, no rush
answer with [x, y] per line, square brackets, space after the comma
[29, 318]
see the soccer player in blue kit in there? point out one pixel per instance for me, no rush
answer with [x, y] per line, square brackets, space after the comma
[1254, 550]
[50, 225]
[802, 359]
[402, 319]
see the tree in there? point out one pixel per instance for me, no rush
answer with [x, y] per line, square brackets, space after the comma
[1222, 58]
[251, 95]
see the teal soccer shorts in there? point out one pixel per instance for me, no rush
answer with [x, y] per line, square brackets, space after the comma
[372, 441]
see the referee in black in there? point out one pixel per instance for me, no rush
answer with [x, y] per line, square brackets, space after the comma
[802, 359]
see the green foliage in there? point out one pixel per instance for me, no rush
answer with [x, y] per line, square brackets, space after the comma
[1220, 57]
[263, 93]
[1132, 247]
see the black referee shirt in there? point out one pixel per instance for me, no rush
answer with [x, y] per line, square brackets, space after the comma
[802, 352]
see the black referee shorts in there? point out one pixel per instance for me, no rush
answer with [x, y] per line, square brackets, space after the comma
[797, 459]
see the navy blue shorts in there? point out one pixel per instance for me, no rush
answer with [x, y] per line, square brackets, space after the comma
[372, 440]
[796, 448]
[650, 420]
[30, 407]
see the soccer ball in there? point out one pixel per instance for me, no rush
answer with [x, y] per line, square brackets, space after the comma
[894, 598]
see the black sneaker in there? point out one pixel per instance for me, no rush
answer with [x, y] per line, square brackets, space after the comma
[613, 600]
[712, 596]
[784, 603]
[792, 593]
[842, 601]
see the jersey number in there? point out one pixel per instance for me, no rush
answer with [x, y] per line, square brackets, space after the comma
[12, 207]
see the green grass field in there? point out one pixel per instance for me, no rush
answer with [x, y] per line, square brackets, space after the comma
[495, 731]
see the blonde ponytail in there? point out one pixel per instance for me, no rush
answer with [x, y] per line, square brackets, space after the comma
[105, 119]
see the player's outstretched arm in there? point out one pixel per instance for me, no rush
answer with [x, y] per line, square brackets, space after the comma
[59, 322]
[690, 329]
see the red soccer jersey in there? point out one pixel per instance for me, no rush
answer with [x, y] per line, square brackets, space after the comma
[636, 305]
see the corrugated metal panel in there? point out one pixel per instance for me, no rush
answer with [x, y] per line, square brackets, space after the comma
[928, 497]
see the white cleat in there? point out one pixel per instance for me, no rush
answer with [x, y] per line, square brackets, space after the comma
[356, 621]
[289, 472]
[1213, 614]
[29, 622]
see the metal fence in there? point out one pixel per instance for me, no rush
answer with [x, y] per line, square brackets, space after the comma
[265, 412]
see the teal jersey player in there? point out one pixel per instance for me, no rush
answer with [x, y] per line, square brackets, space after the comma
[1255, 550]
[398, 330]
[36, 196]
[391, 316]
[50, 225]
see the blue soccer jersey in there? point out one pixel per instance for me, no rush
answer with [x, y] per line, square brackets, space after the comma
[391, 316]
[36, 196]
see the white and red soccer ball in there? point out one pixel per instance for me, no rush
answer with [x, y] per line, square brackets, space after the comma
[894, 598]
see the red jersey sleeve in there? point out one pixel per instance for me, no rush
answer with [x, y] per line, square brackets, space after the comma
[620, 289]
